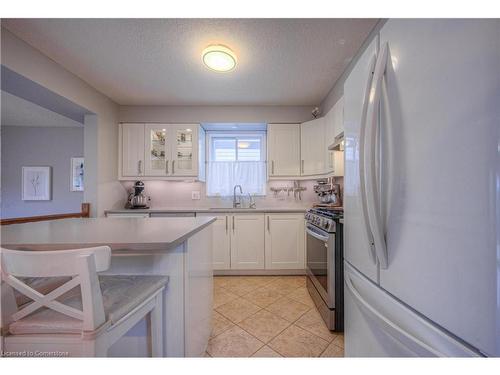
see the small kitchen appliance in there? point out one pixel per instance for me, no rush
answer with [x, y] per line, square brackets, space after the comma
[324, 264]
[328, 192]
[137, 199]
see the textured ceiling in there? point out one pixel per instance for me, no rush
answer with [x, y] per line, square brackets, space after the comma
[20, 112]
[158, 62]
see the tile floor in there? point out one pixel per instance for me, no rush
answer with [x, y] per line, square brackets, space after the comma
[268, 316]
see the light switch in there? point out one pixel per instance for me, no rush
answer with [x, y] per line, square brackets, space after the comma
[195, 195]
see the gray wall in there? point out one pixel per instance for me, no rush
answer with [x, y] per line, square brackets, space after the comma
[183, 114]
[39, 146]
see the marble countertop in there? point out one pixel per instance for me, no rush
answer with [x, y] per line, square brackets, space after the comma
[213, 210]
[120, 233]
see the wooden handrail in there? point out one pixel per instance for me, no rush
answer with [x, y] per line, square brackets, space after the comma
[85, 212]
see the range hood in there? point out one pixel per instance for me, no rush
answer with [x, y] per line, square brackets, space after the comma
[338, 145]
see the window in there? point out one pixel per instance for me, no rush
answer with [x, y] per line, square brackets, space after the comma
[236, 158]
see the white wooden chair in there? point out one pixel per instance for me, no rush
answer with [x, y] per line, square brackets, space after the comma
[54, 301]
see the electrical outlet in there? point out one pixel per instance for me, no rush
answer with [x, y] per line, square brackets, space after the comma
[195, 195]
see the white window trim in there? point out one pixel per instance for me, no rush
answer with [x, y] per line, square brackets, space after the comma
[209, 134]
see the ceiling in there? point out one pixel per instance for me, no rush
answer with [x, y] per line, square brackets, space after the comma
[19, 112]
[158, 61]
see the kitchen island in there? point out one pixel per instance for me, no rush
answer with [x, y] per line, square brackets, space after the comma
[180, 248]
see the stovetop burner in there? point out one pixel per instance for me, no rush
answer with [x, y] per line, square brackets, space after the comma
[328, 212]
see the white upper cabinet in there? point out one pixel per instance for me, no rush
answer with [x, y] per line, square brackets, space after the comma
[283, 146]
[312, 146]
[157, 146]
[132, 149]
[285, 241]
[161, 151]
[334, 126]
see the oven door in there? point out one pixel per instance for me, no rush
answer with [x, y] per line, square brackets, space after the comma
[320, 250]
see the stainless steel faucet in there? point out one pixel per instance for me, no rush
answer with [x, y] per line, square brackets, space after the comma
[237, 204]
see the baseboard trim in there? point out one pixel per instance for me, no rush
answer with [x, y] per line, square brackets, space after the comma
[258, 272]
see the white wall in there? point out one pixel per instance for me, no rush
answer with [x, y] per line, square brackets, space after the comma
[337, 90]
[31, 63]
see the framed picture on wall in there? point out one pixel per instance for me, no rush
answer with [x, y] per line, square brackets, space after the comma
[77, 173]
[36, 184]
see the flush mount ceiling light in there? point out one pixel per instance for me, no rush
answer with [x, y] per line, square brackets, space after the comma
[219, 58]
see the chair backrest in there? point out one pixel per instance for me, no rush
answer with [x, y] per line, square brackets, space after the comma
[81, 265]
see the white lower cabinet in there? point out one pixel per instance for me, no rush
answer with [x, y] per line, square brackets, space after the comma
[258, 241]
[247, 242]
[221, 242]
[285, 241]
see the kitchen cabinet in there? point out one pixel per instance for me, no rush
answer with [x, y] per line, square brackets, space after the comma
[221, 241]
[161, 151]
[132, 155]
[334, 126]
[284, 241]
[312, 147]
[283, 150]
[247, 241]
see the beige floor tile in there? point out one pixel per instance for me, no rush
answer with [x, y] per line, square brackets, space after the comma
[312, 322]
[282, 286]
[333, 351]
[263, 297]
[266, 352]
[222, 296]
[220, 324]
[288, 309]
[234, 342]
[242, 288]
[238, 310]
[339, 340]
[264, 325]
[302, 295]
[297, 342]
[220, 281]
[296, 281]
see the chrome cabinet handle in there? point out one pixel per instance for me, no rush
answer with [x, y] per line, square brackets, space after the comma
[139, 166]
[166, 166]
[226, 224]
[302, 166]
[272, 166]
[233, 224]
[268, 225]
[173, 168]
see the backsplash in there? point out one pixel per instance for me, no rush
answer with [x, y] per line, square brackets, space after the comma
[177, 194]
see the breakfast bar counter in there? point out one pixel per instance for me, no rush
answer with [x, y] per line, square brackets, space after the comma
[180, 248]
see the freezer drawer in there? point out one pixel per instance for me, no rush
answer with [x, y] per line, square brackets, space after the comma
[378, 325]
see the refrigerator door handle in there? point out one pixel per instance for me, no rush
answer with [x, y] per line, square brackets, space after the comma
[389, 327]
[362, 141]
[372, 191]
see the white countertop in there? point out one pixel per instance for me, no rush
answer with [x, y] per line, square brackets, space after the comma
[118, 233]
[213, 210]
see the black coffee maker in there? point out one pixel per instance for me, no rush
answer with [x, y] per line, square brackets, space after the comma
[137, 198]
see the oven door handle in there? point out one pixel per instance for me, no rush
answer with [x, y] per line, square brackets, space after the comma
[316, 235]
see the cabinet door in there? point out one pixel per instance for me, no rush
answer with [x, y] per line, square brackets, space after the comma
[184, 149]
[157, 148]
[132, 149]
[285, 241]
[221, 249]
[247, 241]
[312, 141]
[283, 144]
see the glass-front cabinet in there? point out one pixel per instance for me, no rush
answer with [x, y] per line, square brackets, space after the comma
[157, 149]
[161, 150]
[185, 150]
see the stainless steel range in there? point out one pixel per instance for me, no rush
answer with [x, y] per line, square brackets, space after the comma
[324, 256]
